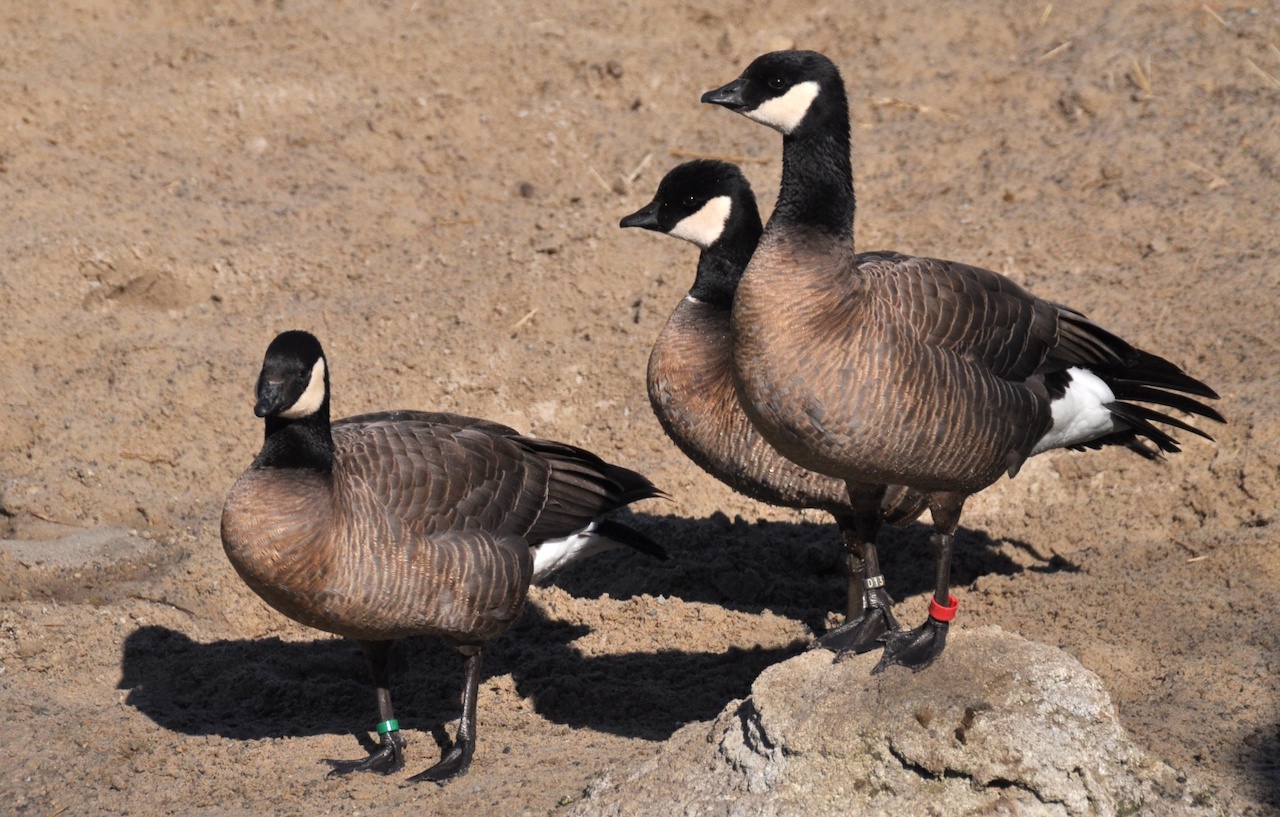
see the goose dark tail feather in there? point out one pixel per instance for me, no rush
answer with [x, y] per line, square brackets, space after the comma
[583, 487]
[1152, 370]
[1132, 412]
[1128, 439]
[1141, 419]
[1085, 343]
[632, 538]
[1149, 378]
[1126, 390]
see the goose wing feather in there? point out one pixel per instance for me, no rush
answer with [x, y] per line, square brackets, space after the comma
[431, 476]
[968, 311]
[581, 487]
[455, 473]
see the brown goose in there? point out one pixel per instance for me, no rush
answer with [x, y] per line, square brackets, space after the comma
[883, 368]
[710, 204]
[406, 523]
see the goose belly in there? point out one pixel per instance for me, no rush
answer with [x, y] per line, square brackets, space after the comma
[464, 585]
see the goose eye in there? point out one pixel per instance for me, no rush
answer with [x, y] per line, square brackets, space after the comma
[690, 201]
[777, 83]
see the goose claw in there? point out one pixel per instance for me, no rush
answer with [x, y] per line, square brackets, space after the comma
[916, 648]
[388, 758]
[454, 764]
[864, 633]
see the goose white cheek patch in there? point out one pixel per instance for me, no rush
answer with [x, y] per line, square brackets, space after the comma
[311, 400]
[704, 227]
[785, 113]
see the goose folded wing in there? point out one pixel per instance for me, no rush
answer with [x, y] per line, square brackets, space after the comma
[581, 487]
[434, 476]
[986, 317]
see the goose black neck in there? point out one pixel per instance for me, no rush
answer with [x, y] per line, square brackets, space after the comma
[817, 173]
[721, 265]
[303, 443]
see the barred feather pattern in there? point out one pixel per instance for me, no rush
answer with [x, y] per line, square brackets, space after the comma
[873, 373]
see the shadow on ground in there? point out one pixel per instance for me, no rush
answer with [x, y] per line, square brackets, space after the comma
[251, 689]
[792, 568]
[1260, 754]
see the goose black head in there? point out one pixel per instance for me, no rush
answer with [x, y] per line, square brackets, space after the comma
[294, 383]
[779, 89]
[697, 201]
[710, 204]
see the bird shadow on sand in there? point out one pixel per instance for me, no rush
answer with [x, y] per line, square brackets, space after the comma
[794, 569]
[248, 689]
[268, 687]
[1260, 751]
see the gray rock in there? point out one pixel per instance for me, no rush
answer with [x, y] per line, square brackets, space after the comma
[999, 725]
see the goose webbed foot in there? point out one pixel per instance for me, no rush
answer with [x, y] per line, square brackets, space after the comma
[920, 647]
[388, 758]
[454, 764]
[864, 633]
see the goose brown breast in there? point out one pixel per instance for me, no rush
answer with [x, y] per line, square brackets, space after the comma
[693, 395]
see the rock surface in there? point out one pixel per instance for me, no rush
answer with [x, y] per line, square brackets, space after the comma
[999, 725]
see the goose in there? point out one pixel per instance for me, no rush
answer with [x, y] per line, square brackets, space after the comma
[883, 368]
[404, 523]
[710, 204]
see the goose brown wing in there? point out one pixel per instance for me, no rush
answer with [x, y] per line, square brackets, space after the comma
[981, 315]
[580, 488]
[969, 311]
[437, 417]
[433, 476]
[985, 316]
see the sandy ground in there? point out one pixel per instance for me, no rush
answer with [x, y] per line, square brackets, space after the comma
[434, 188]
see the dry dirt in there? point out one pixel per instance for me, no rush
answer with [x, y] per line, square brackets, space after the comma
[433, 188]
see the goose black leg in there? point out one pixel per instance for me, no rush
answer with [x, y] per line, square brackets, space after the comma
[920, 647]
[855, 571]
[458, 758]
[863, 631]
[389, 756]
[870, 613]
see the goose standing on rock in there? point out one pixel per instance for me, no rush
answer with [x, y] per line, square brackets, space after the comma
[710, 204]
[404, 523]
[883, 368]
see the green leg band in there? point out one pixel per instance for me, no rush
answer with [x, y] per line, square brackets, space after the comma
[388, 726]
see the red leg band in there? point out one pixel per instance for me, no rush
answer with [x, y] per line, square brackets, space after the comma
[937, 611]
